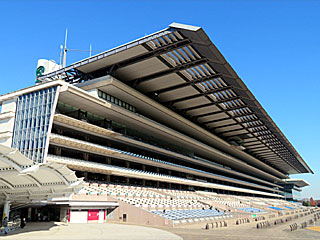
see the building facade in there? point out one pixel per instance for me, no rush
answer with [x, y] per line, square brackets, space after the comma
[164, 111]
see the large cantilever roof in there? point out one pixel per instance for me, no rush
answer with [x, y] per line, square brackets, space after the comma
[182, 69]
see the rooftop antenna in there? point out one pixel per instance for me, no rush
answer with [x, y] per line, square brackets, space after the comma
[61, 49]
[64, 62]
[90, 50]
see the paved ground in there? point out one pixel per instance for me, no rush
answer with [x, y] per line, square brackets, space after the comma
[247, 232]
[60, 231]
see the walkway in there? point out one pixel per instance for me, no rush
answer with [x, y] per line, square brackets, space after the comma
[60, 231]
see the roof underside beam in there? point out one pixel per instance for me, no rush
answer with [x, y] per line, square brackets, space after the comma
[211, 104]
[190, 83]
[137, 81]
[197, 95]
[242, 107]
[139, 58]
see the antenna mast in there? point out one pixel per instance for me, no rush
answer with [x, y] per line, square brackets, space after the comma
[64, 62]
[61, 50]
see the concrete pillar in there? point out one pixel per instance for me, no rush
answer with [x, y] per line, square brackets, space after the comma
[158, 184]
[143, 167]
[169, 172]
[143, 182]
[127, 180]
[157, 170]
[6, 209]
[85, 175]
[109, 161]
[127, 164]
[86, 156]
[58, 151]
[108, 178]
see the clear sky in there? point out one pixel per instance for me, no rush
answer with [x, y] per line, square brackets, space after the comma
[274, 46]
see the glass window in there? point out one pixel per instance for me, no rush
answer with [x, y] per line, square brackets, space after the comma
[34, 111]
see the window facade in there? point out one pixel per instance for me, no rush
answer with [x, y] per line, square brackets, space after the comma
[32, 119]
[116, 101]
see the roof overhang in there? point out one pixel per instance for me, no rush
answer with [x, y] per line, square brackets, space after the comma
[183, 70]
[297, 182]
[22, 181]
[86, 204]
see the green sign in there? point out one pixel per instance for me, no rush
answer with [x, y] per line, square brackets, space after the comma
[40, 71]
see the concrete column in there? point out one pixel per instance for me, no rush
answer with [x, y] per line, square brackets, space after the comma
[143, 167]
[158, 184]
[109, 161]
[86, 156]
[157, 170]
[127, 164]
[6, 209]
[127, 180]
[58, 151]
[169, 172]
[85, 175]
[108, 178]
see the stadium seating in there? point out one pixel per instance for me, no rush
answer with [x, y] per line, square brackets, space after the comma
[276, 208]
[190, 214]
[183, 206]
[251, 210]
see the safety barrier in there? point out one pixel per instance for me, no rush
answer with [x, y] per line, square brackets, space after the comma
[304, 225]
[242, 220]
[216, 225]
[278, 221]
[293, 227]
[263, 224]
[259, 218]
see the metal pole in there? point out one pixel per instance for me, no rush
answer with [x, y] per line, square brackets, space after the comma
[64, 62]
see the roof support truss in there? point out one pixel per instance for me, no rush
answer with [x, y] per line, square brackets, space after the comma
[137, 81]
[190, 83]
[211, 104]
[198, 95]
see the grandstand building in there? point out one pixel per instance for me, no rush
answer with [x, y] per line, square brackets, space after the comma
[165, 111]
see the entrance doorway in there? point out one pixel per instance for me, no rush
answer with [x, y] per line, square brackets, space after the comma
[93, 214]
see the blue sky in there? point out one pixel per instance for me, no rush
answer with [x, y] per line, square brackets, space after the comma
[274, 46]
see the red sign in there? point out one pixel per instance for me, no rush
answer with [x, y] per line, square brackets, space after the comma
[93, 214]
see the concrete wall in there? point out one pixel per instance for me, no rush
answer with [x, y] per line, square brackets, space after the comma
[137, 215]
[7, 117]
